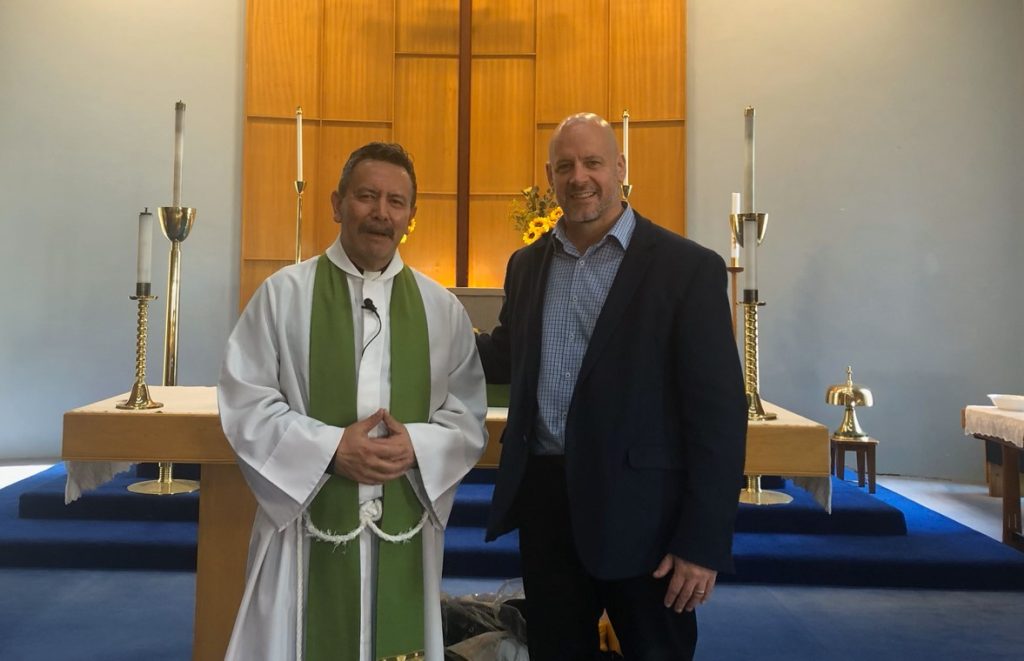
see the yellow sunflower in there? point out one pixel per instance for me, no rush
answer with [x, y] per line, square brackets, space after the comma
[409, 230]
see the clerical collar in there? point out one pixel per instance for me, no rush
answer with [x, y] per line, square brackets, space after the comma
[337, 254]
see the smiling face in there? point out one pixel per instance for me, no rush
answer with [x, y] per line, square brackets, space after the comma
[374, 213]
[586, 170]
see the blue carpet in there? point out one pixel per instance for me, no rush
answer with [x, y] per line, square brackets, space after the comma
[936, 552]
[91, 543]
[862, 544]
[854, 512]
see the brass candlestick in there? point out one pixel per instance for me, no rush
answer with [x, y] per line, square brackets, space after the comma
[176, 223]
[751, 379]
[139, 398]
[733, 268]
[753, 494]
[299, 187]
[734, 272]
[755, 411]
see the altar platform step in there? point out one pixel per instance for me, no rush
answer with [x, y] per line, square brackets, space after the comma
[935, 552]
[853, 511]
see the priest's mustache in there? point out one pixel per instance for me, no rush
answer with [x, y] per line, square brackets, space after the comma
[377, 229]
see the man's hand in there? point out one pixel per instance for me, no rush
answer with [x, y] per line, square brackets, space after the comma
[690, 586]
[398, 435]
[369, 460]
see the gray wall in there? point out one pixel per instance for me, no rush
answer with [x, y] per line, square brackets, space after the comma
[86, 141]
[889, 158]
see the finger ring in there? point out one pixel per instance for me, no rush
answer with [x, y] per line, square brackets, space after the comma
[700, 592]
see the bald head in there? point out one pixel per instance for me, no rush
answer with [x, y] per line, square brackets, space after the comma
[586, 120]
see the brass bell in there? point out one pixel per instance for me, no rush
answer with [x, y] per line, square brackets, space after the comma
[850, 395]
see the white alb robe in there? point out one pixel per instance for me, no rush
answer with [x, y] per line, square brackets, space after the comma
[283, 454]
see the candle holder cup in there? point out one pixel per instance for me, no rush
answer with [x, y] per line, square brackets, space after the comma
[739, 221]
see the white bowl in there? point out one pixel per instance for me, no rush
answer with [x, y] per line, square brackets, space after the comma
[1008, 402]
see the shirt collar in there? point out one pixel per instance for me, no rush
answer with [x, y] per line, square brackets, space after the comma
[621, 231]
[337, 254]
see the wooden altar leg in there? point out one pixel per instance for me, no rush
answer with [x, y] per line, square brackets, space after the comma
[1011, 498]
[226, 511]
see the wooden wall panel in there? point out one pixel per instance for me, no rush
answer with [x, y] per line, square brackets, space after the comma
[504, 26]
[431, 248]
[268, 179]
[659, 176]
[427, 26]
[541, 140]
[492, 240]
[572, 58]
[338, 141]
[283, 57]
[359, 46]
[389, 71]
[501, 138]
[649, 81]
[426, 118]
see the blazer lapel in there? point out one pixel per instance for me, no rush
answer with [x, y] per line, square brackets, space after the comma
[536, 276]
[631, 272]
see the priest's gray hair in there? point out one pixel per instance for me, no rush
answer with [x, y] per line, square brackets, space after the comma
[389, 152]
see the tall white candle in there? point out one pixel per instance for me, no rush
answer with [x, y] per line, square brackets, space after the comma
[298, 142]
[179, 151]
[750, 255]
[734, 246]
[143, 265]
[625, 143]
[748, 166]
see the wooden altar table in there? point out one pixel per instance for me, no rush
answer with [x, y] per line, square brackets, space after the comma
[187, 430]
[794, 447]
[1007, 429]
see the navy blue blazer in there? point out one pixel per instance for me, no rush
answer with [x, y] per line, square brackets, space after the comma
[656, 431]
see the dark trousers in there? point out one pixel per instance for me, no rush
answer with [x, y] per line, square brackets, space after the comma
[564, 603]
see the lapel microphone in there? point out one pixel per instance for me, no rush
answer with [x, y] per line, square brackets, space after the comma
[370, 307]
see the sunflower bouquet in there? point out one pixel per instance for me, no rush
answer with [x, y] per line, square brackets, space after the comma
[535, 213]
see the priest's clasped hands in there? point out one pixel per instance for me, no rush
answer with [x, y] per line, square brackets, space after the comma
[374, 459]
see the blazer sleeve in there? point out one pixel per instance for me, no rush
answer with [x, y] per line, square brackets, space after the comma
[714, 418]
[495, 348]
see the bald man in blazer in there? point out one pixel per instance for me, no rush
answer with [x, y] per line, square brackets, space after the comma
[622, 458]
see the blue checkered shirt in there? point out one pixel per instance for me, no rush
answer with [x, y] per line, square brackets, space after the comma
[576, 290]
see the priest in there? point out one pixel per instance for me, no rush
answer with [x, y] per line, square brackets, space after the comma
[353, 395]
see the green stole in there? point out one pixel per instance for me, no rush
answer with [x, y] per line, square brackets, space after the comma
[332, 613]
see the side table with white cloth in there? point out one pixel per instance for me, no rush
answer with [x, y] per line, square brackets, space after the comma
[1007, 429]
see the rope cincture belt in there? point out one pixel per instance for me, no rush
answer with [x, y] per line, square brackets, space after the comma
[369, 513]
